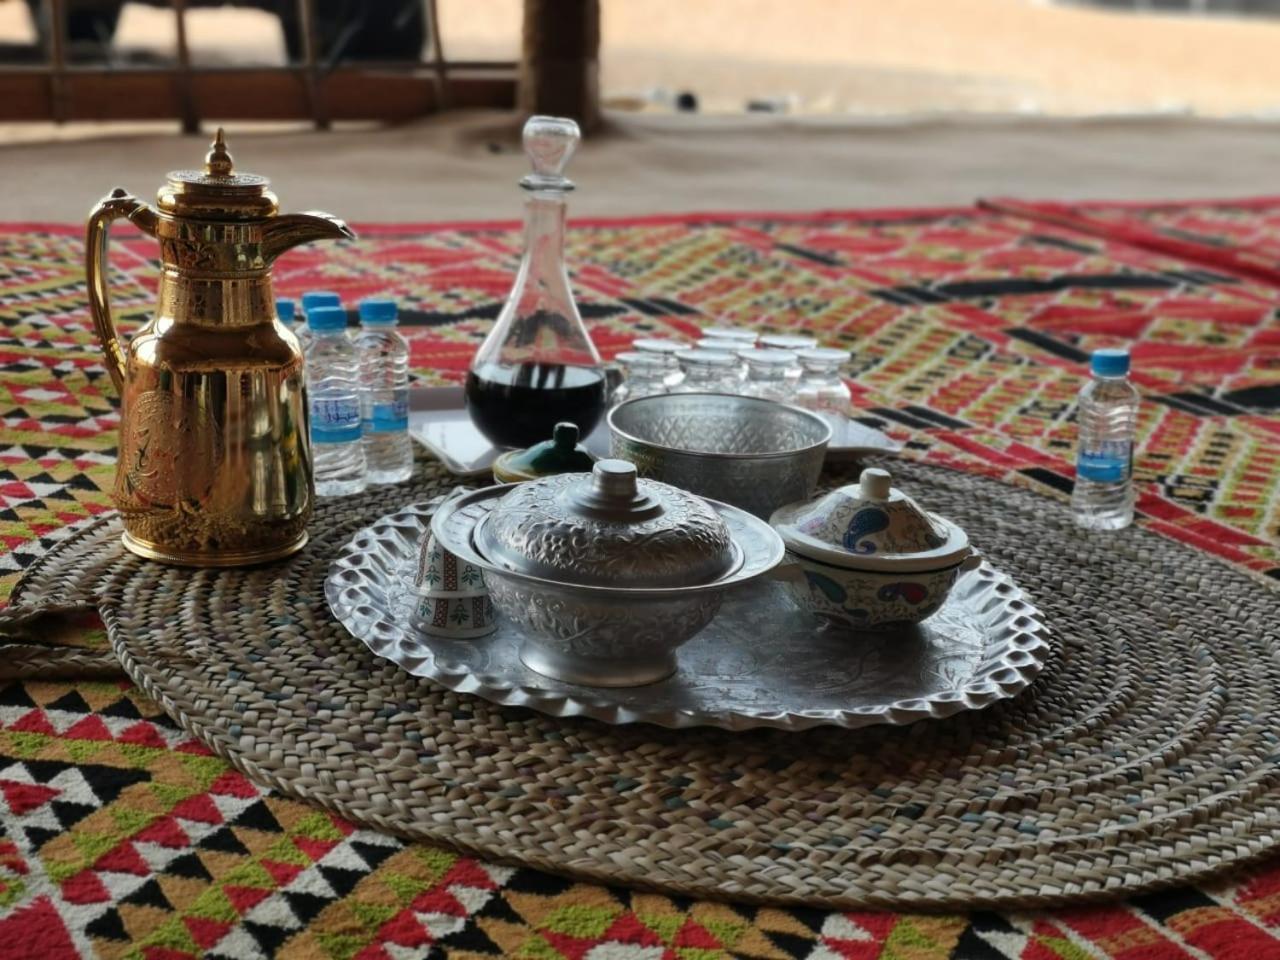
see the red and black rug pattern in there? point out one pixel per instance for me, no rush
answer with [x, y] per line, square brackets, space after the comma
[969, 330]
[1241, 235]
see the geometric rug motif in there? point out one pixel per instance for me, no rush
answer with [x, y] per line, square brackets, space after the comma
[970, 329]
[1241, 236]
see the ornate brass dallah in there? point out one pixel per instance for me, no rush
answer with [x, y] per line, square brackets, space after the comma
[215, 460]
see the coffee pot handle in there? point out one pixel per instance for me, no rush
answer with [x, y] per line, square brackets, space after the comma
[118, 203]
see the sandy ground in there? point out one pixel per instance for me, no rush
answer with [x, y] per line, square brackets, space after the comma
[464, 166]
[875, 56]
[951, 97]
[860, 56]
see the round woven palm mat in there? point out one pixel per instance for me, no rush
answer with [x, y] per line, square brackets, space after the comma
[1146, 754]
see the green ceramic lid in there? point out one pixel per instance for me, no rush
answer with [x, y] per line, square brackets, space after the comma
[561, 454]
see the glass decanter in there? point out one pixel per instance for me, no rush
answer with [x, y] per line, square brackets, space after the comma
[538, 366]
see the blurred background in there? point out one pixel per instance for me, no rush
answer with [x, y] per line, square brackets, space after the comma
[757, 103]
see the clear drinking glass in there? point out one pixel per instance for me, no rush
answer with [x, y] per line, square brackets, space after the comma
[788, 341]
[643, 375]
[667, 349]
[821, 387]
[794, 342]
[734, 348]
[538, 366]
[707, 371]
[720, 346]
[746, 338]
[767, 374]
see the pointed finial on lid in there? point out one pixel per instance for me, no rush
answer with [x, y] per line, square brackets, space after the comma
[217, 162]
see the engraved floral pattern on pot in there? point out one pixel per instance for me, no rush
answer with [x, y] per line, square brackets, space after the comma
[170, 452]
[568, 626]
[540, 527]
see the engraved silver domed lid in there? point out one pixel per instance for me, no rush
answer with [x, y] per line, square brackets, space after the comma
[607, 528]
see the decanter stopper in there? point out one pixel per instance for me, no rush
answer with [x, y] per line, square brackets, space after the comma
[549, 143]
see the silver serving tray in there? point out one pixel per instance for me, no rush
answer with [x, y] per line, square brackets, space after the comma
[763, 662]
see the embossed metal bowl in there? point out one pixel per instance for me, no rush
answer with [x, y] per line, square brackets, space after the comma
[752, 453]
[608, 574]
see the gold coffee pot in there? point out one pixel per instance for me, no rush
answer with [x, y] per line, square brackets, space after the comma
[214, 464]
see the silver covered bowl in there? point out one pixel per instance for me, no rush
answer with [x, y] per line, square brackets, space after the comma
[752, 453]
[614, 632]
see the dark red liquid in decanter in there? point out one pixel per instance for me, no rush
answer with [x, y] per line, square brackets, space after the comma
[518, 406]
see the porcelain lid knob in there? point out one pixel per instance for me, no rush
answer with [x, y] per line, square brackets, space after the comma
[876, 484]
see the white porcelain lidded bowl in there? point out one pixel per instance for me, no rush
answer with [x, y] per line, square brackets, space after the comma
[869, 556]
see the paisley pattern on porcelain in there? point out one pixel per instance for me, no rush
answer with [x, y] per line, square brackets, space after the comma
[847, 519]
[865, 600]
[870, 525]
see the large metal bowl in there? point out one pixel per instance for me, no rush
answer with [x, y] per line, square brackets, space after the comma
[755, 454]
[605, 636]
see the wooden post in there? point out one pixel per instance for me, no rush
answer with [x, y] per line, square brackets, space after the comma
[57, 14]
[444, 99]
[560, 60]
[190, 120]
[311, 64]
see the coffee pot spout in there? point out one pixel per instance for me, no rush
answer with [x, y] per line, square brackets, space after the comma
[294, 229]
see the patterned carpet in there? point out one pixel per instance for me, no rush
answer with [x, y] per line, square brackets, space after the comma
[125, 838]
[1236, 235]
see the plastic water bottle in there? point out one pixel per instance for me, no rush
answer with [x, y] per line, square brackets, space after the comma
[310, 300]
[384, 397]
[333, 399]
[1107, 414]
[286, 310]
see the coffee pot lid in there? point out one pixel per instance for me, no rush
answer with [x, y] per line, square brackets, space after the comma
[217, 191]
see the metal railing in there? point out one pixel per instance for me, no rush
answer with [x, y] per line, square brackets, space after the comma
[306, 90]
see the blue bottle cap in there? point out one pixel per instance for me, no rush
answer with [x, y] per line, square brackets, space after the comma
[319, 298]
[377, 310]
[1110, 362]
[286, 309]
[327, 318]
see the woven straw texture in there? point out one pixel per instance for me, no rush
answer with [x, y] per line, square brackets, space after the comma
[1139, 760]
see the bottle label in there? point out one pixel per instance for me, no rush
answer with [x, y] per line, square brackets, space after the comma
[335, 421]
[390, 417]
[1110, 462]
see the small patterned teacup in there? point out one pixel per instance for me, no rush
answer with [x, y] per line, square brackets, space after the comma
[451, 598]
[455, 617]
